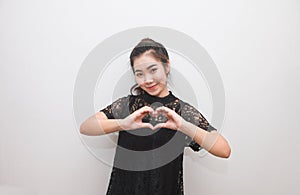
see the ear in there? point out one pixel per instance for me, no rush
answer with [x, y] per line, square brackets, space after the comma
[167, 68]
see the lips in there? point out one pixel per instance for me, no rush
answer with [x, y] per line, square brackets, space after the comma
[152, 87]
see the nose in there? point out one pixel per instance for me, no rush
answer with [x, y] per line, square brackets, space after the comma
[148, 78]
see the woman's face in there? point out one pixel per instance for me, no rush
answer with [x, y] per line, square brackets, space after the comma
[151, 75]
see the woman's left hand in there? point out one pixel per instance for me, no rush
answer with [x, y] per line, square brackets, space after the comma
[174, 121]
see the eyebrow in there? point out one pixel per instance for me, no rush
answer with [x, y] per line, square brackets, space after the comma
[152, 65]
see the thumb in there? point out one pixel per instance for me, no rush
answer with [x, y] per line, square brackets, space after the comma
[159, 125]
[147, 125]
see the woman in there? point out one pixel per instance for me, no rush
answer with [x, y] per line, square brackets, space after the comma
[154, 127]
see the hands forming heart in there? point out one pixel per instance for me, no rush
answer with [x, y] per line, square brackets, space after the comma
[147, 117]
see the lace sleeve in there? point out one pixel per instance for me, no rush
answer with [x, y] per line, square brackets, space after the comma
[192, 115]
[118, 109]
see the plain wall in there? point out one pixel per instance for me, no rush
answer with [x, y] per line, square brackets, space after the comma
[255, 45]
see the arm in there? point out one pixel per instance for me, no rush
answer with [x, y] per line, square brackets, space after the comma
[99, 124]
[212, 141]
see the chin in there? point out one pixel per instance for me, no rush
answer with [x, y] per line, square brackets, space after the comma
[152, 93]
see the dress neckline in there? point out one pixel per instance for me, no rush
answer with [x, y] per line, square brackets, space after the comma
[151, 99]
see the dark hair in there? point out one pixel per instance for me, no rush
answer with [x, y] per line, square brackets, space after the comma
[156, 49]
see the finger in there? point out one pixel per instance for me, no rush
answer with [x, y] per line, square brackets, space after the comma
[167, 111]
[154, 113]
[162, 109]
[159, 125]
[146, 109]
[171, 115]
[142, 112]
[142, 115]
[147, 125]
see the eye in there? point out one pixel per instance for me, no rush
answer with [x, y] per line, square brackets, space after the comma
[153, 70]
[139, 74]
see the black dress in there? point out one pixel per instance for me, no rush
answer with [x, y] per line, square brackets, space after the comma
[149, 162]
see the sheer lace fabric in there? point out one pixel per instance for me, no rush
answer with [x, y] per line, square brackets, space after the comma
[155, 173]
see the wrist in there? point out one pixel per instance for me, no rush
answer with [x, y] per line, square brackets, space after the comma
[122, 124]
[188, 128]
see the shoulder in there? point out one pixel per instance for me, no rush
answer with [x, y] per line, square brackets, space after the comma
[193, 115]
[187, 107]
[190, 113]
[124, 99]
[119, 107]
[180, 106]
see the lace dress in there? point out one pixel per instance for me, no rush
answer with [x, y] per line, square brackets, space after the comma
[149, 162]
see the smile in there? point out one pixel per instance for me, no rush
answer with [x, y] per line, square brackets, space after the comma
[152, 87]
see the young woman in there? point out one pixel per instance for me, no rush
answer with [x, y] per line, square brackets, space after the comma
[154, 127]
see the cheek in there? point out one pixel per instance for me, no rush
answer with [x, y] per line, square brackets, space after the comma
[138, 81]
[160, 77]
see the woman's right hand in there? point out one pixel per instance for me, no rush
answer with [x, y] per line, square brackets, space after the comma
[134, 120]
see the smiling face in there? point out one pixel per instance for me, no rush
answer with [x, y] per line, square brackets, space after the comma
[151, 74]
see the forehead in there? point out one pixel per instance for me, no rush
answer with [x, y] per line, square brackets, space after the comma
[145, 60]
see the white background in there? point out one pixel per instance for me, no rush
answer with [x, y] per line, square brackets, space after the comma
[255, 45]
